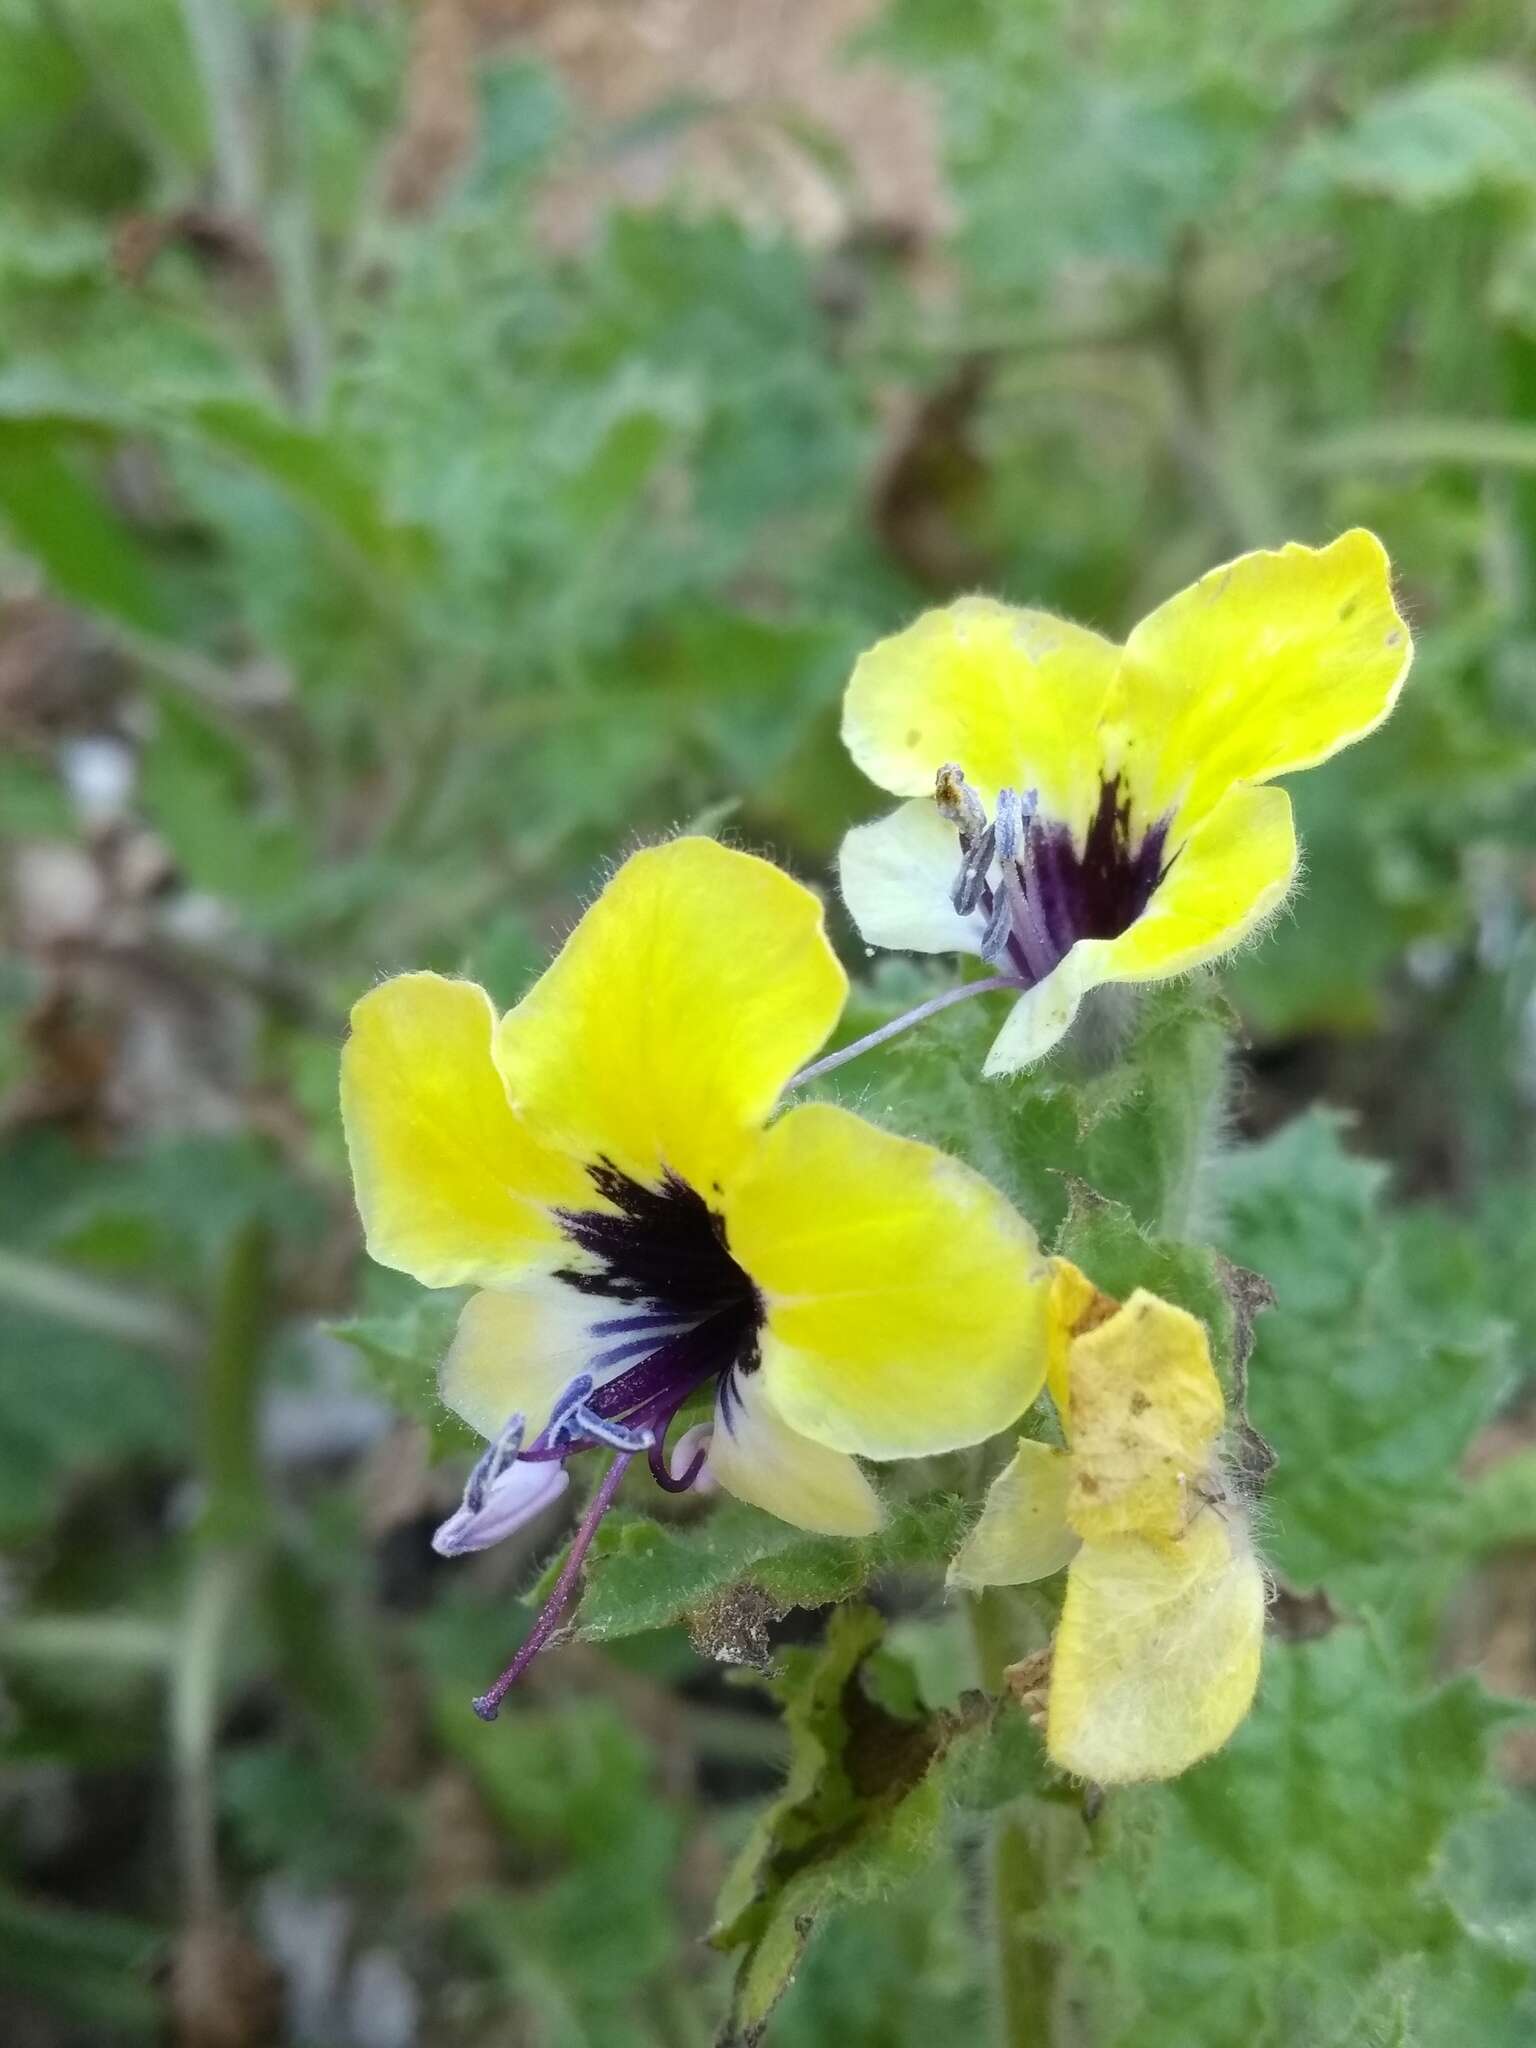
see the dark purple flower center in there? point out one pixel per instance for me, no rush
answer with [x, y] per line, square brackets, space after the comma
[683, 1314]
[1041, 892]
[671, 1313]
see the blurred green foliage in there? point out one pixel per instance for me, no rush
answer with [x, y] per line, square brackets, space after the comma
[399, 561]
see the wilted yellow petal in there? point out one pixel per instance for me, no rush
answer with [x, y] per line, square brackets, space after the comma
[1077, 1306]
[1157, 1654]
[1144, 1410]
[1023, 1533]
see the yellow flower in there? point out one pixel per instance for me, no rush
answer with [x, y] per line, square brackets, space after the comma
[1133, 834]
[599, 1163]
[1156, 1656]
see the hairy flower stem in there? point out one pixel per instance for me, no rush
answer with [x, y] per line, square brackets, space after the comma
[1028, 1962]
[1033, 1847]
[990, 986]
[232, 1534]
[489, 1703]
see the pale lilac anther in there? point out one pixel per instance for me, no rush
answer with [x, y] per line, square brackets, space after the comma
[618, 1436]
[1052, 888]
[562, 1417]
[516, 1493]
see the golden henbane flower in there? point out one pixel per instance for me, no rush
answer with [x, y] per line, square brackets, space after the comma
[600, 1164]
[1082, 813]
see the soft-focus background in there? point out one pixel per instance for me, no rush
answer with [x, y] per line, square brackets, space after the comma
[441, 444]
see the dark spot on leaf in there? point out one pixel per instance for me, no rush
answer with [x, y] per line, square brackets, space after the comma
[733, 1628]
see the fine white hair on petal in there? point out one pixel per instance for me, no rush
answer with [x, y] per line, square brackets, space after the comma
[513, 1497]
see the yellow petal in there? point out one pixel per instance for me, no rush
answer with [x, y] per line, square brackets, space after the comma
[1232, 873]
[1144, 1411]
[896, 877]
[1023, 1533]
[1269, 664]
[1043, 1015]
[758, 1457]
[905, 1297]
[450, 1184]
[515, 1351]
[1157, 1655]
[1013, 697]
[1077, 1306]
[685, 998]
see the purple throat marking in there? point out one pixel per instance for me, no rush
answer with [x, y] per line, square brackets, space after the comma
[673, 1314]
[1037, 889]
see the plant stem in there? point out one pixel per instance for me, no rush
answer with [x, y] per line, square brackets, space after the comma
[990, 986]
[1031, 1848]
[218, 1588]
[231, 1537]
[293, 229]
[117, 103]
[224, 65]
[1031, 1853]
[236, 1507]
[489, 1703]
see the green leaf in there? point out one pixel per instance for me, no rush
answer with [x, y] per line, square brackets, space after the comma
[320, 1647]
[1370, 1376]
[33, 804]
[201, 791]
[1437, 140]
[74, 1402]
[1500, 1508]
[1286, 1890]
[642, 1574]
[1130, 1107]
[320, 1822]
[403, 1353]
[87, 552]
[572, 1792]
[858, 1813]
[91, 1966]
[317, 472]
[170, 1209]
[901, 1970]
[1103, 1239]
